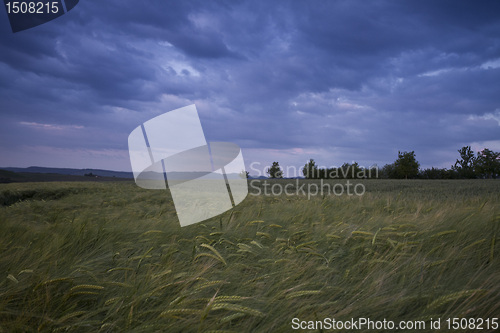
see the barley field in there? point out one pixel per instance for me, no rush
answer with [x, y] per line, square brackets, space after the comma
[111, 257]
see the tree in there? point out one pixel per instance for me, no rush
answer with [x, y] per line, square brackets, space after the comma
[244, 174]
[275, 171]
[406, 166]
[350, 171]
[465, 165]
[436, 173]
[388, 171]
[488, 163]
[310, 170]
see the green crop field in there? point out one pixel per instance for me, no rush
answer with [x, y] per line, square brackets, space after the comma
[111, 257]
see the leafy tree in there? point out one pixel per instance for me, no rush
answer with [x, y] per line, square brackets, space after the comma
[310, 170]
[406, 166]
[373, 172]
[465, 165]
[436, 173]
[275, 171]
[388, 171]
[347, 170]
[488, 163]
[351, 170]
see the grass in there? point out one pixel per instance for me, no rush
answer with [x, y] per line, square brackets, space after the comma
[111, 257]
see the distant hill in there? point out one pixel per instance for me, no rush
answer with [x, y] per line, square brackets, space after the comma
[7, 176]
[73, 172]
[264, 177]
[41, 174]
[260, 177]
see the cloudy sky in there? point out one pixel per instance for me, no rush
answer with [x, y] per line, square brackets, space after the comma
[337, 81]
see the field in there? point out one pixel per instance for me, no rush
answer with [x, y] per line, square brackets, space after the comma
[111, 257]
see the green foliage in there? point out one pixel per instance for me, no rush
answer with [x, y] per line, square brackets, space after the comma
[310, 170]
[466, 164]
[406, 166]
[346, 171]
[388, 172]
[275, 171]
[488, 163]
[111, 257]
[485, 165]
[436, 173]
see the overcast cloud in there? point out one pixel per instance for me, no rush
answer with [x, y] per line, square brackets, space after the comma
[337, 81]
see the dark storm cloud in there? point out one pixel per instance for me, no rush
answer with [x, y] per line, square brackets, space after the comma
[337, 80]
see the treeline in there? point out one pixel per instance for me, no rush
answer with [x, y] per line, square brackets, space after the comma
[346, 171]
[486, 164]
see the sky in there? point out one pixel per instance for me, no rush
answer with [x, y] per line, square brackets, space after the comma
[336, 81]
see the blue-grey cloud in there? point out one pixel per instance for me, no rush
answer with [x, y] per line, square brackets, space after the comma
[334, 80]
